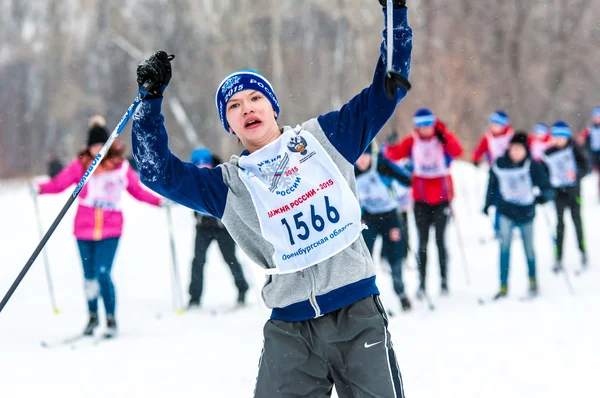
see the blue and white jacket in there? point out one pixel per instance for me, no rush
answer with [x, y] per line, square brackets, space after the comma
[332, 284]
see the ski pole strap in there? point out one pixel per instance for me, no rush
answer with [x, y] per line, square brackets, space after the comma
[390, 33]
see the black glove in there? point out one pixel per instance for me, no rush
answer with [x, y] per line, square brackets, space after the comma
[392, 81]
[397, 4]
[154, 74]
[486, 210]
[440, 136]
[540, 200]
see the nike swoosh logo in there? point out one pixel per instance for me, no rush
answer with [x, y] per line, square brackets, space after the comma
[367, 345]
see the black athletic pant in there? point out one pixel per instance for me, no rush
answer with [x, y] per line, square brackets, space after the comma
[425, 216]
[404, 234]
[204, 236]
[382, 224]
[562, 200]
[350, 349]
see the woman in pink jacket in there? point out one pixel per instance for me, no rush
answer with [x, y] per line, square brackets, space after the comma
[99, 219]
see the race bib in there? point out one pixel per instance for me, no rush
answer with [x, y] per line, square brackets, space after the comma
[104, 190]
[304, 205]
[563, 168]
[428, 156]
[515, 184]
[375, 197]
[497, 145]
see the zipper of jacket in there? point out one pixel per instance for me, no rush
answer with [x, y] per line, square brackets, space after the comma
[313, 297]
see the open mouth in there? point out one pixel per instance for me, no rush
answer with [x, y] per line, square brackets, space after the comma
[251, 123]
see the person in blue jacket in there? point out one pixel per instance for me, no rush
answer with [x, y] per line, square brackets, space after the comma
[290, 203]
[513, 177]
[376, 180]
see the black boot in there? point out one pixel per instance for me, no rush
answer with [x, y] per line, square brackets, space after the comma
[194, 303]
[111, 327]
[421, 292]
[444, 288]
[405, 302]
[241, 300]
[92, 324]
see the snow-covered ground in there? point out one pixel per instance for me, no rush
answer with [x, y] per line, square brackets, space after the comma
[544, 348]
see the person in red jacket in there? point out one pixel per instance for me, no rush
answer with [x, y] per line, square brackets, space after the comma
[431, 148]
[495, 140]
[539, 140]
[589, 138]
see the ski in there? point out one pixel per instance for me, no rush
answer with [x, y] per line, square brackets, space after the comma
[229, 310]
[527, 298]
[423, 295]
[63, 342]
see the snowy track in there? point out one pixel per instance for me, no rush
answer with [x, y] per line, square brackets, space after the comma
[547, 347]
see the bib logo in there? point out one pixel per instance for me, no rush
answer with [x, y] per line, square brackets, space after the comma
[279, 170]
[276, 172]
[228, 85]
[298, 144]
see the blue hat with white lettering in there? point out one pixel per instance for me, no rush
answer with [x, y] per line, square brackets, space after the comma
[561, 129]
[423, 118]
[240, 81]
[500, 117]
[201, 156]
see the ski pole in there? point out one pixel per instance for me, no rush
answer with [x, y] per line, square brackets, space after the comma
[38, 217]
[392, 79]
[113, 136]
[177, 299]
[461, 245]
[552, 231]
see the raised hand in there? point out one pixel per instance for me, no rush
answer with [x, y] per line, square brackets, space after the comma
[154, 74]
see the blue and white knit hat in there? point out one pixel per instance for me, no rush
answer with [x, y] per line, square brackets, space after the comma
[596, 112]
[500, 117]
[240, 81]
[423, 118]
[201, 156]
[561, 129]
[541, 129]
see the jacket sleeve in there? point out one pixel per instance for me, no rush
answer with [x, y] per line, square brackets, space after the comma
[540, 179]
[583, 164]
[353, 127]
[68, 176]
[136, 190]
[482, 149]
[387, 168]
[452, 146]
[399, 151]
[200, 189]
[492, 190]
[583, 138]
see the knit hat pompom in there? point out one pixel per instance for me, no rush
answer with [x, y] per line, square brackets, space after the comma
[97, 120]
